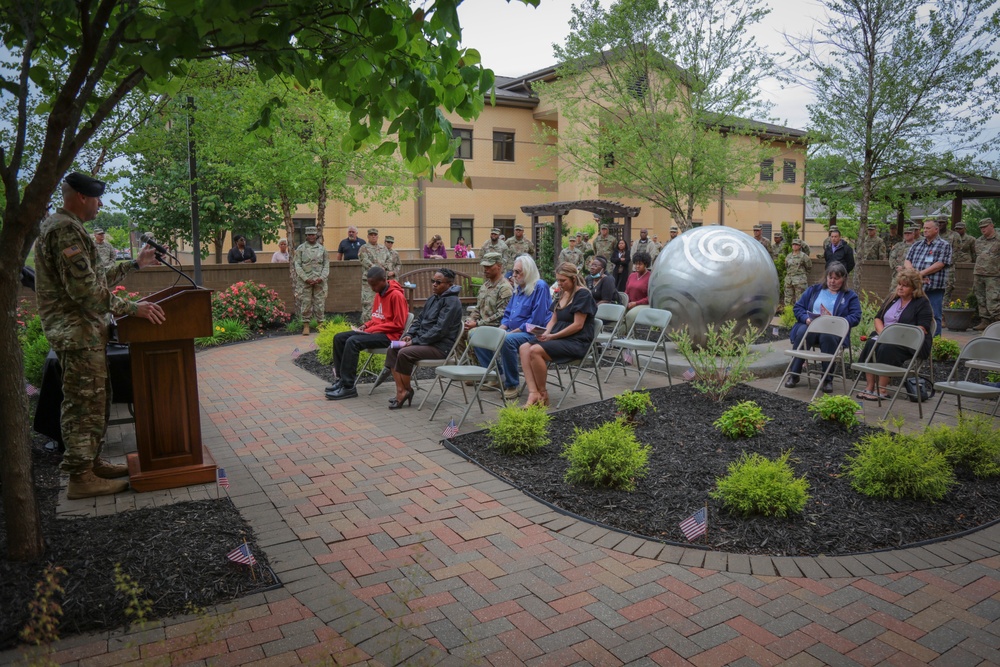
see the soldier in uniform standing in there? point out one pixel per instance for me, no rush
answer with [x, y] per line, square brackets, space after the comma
[312, 266]
[758, 236]
[673, 233]
[74, 304]
[872, 246]
[605, 243]
[106, 253]
[583, 243]
[963, 250]
[987, 274]
[643, 244]
[797, 266]
[516, 247]
[395, 268]
[572, 254]
[371, 254]
[777, 246]
[898, 255]
[494, 244]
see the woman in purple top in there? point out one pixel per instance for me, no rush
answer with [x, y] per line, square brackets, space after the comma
[435, 249]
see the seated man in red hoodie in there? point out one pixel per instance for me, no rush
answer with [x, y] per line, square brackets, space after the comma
[389, 311]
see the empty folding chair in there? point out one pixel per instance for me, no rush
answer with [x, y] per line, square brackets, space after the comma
[977, 349]
[468, 369]
[655, 321]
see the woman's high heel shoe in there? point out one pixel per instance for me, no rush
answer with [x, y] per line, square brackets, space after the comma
[406, 400]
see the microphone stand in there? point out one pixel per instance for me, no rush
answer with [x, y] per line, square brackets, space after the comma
[159, 258]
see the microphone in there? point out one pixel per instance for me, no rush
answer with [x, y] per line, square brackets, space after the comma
[147, 238]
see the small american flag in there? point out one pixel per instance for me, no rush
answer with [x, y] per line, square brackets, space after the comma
[627, 356]
[695, 525]
[242, 555]
[689, 374]
[451, 430]
[223, 479]
[31, 389]
[296, 353]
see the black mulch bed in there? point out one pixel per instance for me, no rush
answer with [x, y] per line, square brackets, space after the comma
[689, 454]
[175, 553]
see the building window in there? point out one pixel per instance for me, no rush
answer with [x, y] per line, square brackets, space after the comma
[767, 170]
[464, 149]
[254, 241]
[788, 171]
[461, 227]
[506, 226]
[765, 230]
[299, 235]
[503, 146]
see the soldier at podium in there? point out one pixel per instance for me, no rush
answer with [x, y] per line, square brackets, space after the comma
[74, 303]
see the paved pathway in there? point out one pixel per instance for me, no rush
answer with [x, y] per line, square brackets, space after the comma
[395, 551]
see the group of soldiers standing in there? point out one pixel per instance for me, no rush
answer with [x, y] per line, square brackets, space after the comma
[580, 250]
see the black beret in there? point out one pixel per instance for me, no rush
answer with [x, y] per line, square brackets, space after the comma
[85, 185]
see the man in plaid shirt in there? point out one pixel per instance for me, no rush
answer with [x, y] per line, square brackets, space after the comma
[931, 257]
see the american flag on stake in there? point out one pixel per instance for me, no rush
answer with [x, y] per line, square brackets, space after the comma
[627, 356]
[688, 375]
[222, 477]
[451, 430]
[242, 555]
[31, 389]
[296, 353]
[695, 525]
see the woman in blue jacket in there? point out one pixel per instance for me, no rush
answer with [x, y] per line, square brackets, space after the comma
[830, 297]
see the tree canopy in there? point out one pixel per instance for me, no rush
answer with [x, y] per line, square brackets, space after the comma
[390, 66]
[654, 100]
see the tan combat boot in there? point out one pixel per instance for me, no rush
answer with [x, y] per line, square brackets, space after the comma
[981, 326]
[107, 470]
[88, 485]
[305, 329]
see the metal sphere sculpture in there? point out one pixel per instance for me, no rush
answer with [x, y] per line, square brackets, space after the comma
[710, 275]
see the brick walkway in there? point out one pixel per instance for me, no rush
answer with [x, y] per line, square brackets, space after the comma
[395, 551]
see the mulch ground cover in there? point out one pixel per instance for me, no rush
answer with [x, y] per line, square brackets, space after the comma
[689, 454]
[176, 554]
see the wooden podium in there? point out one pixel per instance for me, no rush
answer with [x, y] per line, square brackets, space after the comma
[165, 391]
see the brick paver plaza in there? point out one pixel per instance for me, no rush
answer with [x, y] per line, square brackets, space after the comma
[393, 550]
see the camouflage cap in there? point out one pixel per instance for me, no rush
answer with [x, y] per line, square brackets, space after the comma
[674, 228]
[779, 235]
[797, 242]
[311, 230]
[390, 239]
[518, 227]
[834, 228]
[495, 230]
[491, 259]
[959, 225]
[98, 230]
[579, 235]
[757, 228]
[85, 185]
[985, 222]
[604, 225]
[372, 230]
[911, 230]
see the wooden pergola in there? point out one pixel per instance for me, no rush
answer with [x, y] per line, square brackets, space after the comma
[603, 209]
[961, 187]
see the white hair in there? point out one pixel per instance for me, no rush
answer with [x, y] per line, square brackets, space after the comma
[529, 271]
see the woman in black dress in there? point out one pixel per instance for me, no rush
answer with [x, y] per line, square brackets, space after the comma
[567, 336]
[620, 260]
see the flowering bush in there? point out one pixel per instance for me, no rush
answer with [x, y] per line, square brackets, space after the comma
[252, 304]
[959, 304]
[226, 331]
[120, 291]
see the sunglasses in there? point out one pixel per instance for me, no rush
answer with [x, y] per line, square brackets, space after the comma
[438, 282]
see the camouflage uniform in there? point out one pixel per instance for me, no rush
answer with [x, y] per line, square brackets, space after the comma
[797, 266]
[515, 249]
[775, 250]
[897, 257]
[604, 247]
[647, 247]
[490, 246]
[370, 255]
[987, 277]
[963, 249]
[74, 303]
[106, 255]
[585, 248]
[872, 248]
[573, 256]
[311, 261]
[395, 264]
[491, 302]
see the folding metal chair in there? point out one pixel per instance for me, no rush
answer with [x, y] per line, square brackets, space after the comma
[978, 349]
[380, 350]
[903, 335]
[452, 355]
[992, 332]
[468, 369]
[655, 320]
[612, 314]
[577, 367]
[830, 325]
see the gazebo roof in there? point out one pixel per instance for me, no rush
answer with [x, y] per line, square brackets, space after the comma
[970, 187]
[601, 207]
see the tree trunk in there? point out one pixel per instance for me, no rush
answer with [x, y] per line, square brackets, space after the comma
[321, 199]
[23, 523]
[286, 212]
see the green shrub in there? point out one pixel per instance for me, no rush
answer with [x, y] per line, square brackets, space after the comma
[974, 444]
[633, 404]
[870, 304]
[255, 305]
[34, 352]
[227, 330]
[520, 430]
[723, 362]
[743, 420]
[606, 456]
[788, 317]
[891, 465]
[324, 342]
[757, 485]
[943, 349]
[993, 376]
[836, 408]
[294, 325]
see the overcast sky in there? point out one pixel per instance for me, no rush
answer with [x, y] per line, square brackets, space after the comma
[515, 39]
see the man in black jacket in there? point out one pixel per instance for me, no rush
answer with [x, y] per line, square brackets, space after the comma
[431, 336]
[839, 251]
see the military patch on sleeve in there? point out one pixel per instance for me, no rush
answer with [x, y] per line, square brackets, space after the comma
[72, 251]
